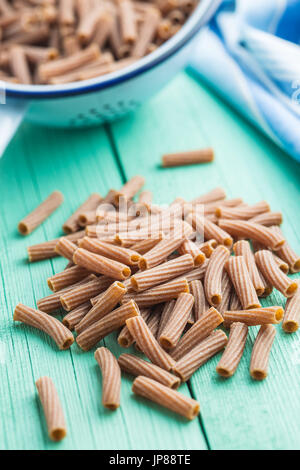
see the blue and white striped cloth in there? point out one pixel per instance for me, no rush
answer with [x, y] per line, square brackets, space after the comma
[250, 54]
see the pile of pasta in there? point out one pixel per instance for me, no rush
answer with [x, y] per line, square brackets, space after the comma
[61, 41]
[165, 278]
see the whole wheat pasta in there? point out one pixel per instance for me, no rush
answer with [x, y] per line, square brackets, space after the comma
[147, 32]
[67, 64]
[101, 264]
[153, 320]
[196, 357]
[130, 238]
[257, 232]
[66, 278]
[72, 225]
[19, 65]
[130, 189]
[189, 247]
[207, 247]
[162, 293]
[255, 316]
[148, 344]
[35, 218]
[235, 303]
[109, 323]
[65, 248]
[273, 274]
[111, 378]
[77, 296]
[291, 317]
[243, 212]
[75, 316]
[88, 24]
[37, 54]
[242, 248]
[196, 273]
[240, 278]
[261, 352]
[162, 273]
[268, 219]
[201, 305]
[67, 12]
[226, 286]
[165, 315]
[199, 331]
[52, 407]
[136, 366]
[213, 275]
[125, 338]
[234, 350]
[108, 300]
[117, 253]
[287, 253]
[128, 22]
[145, 198]
[268, 289]
[188, 158]
[177, 321]
[211, 196]
[211, 207]
[46, 250]
[209, 229]
[50, 325]
[167, 397]
[87, 218]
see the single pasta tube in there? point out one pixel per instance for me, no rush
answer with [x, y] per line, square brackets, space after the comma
[72, 225]
[189, 247]
[125, 338]
[117, 253]
[134, 365]
[215, 194]
[287, 253]
[46, 250]
[242, 248]
[261, 352]
[283, 266]
[111, 378]
[52, 407]
[35, 218]
[200, 354]
[209, 229]
[162, 293]
[201, 305]
[147, 32]
[148, 344]
[20, 67]
[177, 321]
[211, 207]
[240, 278]
[291, 317]
[234, 350]
[153, 319]
[128, 22]
[87, 218]
[74, 297]
[101, 264]
[167, 397]
[164, 272]
[273, 274]
[165, 315]
[257, 232]
[268, 219]
[75, 316]
[111, 322]
[50, 325]
[130, 189]
[255, 316]
[188, 158]
[213, 275]
[199, 331]
[66, 278]
[65, 248]
[243, 212]
[108, 300]
[144, 246]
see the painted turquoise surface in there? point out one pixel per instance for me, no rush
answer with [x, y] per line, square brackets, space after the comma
[236, 413]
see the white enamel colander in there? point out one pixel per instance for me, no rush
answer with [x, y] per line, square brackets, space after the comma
[102, 99]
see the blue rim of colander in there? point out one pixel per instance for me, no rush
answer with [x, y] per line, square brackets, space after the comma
[200, 16]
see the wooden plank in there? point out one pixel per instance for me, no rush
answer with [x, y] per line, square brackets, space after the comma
[237, 413]
[78, 163]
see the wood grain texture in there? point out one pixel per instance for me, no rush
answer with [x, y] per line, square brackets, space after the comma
[236, 413]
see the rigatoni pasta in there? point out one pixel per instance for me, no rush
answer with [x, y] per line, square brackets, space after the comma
[72, 225]
[213, 275]
[101, 265]
[255, 316]
[35, 218]
[273, 274]
[234, 350]
[240, 278]
[111, 378]
[191, 157]
[177, 321]
[291, 318]
[242, 248]
[261, 351]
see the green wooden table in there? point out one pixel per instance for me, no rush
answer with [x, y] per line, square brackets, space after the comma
[236, 413]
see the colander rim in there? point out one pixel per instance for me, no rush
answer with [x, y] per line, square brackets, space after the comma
[200, 16]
